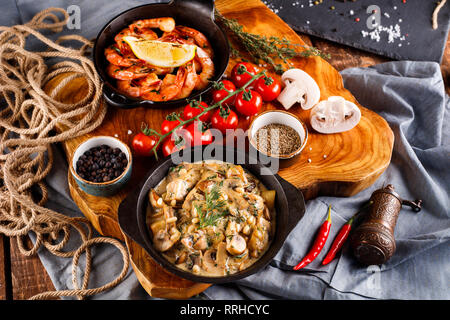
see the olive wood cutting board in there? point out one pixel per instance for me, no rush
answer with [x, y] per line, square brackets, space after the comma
[354, 159]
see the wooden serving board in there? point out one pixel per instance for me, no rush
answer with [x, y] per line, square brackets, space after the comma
[354, 159]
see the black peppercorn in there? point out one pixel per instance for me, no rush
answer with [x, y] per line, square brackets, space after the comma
[101, 164]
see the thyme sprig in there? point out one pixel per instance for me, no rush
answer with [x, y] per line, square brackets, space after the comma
[268, 49]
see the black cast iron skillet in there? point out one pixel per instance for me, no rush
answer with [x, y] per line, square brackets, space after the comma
[197, 14]
[290, 208]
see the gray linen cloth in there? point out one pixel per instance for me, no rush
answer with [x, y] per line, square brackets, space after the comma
[411, 97]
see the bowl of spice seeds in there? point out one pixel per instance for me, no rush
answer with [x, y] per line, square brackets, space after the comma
[101, 165]
[278, 135]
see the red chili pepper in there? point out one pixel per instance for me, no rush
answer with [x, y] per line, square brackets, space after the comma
[341, 237]
[338, 241]
[319, 243]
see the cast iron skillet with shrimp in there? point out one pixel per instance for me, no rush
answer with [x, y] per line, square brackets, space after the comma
[178, 21]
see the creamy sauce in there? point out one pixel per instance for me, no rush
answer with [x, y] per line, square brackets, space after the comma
[211, 218]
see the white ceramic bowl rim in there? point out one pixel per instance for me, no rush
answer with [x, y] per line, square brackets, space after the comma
[95, 142]
[281, 117]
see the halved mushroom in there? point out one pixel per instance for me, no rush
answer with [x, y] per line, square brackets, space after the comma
[335, 115]
[214, 260]
[236, 245]
[299, 87]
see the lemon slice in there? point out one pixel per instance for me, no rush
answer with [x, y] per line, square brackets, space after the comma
[161, 54]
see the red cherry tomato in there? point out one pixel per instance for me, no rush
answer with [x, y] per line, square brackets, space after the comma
[143, 144]
[219, 94]
[268, 87]
[169, 123]
[170, 146]
[223, 119]
[240, 78]
[198, 134]
[194, 108]
[248, 102]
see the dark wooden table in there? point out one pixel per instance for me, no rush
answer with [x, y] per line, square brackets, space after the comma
[22, 277]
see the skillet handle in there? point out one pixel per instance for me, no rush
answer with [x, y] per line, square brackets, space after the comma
[127, 217]
[296, 203]
[204, 6]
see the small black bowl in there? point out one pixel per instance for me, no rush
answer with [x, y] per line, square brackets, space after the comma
[289, 203]
[197, 14]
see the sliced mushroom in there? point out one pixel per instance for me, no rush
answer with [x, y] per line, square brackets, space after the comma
[258, 241]
[163, 241]
[237, 171]
[181, 258]
[201, 243]
[335, 115]
[299, 87]
[236, 245]
[155, 200]
[188, 241]
[214, 260]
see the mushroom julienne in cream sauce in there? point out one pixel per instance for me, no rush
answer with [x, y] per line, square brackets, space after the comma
[211, 218]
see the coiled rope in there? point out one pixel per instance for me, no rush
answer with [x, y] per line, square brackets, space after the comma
[29, 118]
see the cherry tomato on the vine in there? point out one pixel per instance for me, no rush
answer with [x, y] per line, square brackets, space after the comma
[223, 119]
[169, 123]
[198, 134]
[248, 102]
[220, 92]
[172, 145]
[143, 144]
[240, 77]
[194, 108]
[268, 87]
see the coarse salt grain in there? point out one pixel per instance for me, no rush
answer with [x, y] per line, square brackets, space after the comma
[130, 132]
[393, 33]
[309, 160]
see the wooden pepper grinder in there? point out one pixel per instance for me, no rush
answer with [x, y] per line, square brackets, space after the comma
[373, 241]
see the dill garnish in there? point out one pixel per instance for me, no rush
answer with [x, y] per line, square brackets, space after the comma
[213, 210]
[268, 49]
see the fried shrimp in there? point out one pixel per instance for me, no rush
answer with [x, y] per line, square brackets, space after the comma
[207, 69]
[138, 78]
[164, 24]
[199, 38]
[171, 86]
[115, 57]
[131, 73]
[146, 34]
[140, 86]
[190, 82]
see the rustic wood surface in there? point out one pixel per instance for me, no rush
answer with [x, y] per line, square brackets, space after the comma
[354, 159]
[28, 277]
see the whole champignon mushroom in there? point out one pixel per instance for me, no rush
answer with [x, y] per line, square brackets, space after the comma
[334, 115]
[299, 87]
